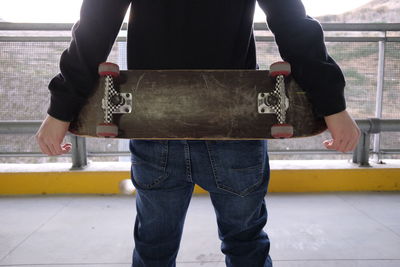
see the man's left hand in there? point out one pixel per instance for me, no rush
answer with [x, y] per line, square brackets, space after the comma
[345, 132]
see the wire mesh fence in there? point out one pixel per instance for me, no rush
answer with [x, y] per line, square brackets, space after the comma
[391, 92]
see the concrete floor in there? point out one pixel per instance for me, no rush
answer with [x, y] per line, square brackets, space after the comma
[337, 229]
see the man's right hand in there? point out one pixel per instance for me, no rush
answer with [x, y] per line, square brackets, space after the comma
[50, 137]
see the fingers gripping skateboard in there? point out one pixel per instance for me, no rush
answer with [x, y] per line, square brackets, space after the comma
[277, 102]
[113, 102]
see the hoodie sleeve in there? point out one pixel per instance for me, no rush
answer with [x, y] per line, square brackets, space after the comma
[92, 39]
[300, 40]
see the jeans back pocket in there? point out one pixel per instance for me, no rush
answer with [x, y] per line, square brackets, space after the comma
[238, 166]
[149, 163]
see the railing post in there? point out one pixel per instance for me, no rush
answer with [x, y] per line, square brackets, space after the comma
[379, 97]
[79, 154]
[355, 153]
[361, 155]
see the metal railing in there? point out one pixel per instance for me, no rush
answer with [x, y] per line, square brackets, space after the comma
[80, 154]
[368, 127]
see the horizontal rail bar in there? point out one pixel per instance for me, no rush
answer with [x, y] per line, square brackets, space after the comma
[16, 26]
[127, 153]
[48, 39]
[340, 39]
[370, 125]
[374, 126]
[276, 152]
[27, 155]
[388, 152]
[270, 152]
[258, 26]
[44, 39]
[34, 39]
[359, 27]
[361, 39]
[389, 27]
[19, 127]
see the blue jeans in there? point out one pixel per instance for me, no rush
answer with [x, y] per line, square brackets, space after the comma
[235, 173]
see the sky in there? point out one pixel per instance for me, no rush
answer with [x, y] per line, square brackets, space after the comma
[68, 10]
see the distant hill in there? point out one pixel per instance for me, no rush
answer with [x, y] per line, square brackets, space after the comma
[375, 11]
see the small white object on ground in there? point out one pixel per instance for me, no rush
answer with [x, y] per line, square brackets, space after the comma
[126, 187]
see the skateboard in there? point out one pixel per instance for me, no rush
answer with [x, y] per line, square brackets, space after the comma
[197, 105]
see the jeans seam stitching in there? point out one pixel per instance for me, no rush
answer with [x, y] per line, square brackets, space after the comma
[212, 162]
[188, 162]
[164, 160]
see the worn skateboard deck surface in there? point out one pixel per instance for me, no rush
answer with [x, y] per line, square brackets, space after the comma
[198, 104]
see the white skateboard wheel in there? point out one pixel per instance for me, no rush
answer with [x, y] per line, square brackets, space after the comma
[280, 68]
[108, 68]
[282, 131]
[107, 130]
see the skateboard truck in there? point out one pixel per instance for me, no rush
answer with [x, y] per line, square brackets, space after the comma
[113, 102]
[277, 101]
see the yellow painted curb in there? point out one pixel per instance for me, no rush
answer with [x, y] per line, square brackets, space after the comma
[335, 180]
[73, 182]
[105, 182]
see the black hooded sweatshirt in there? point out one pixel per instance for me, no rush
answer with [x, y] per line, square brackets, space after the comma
[194, 34]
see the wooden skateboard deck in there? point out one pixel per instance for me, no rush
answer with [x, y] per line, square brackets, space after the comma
[195, 104]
